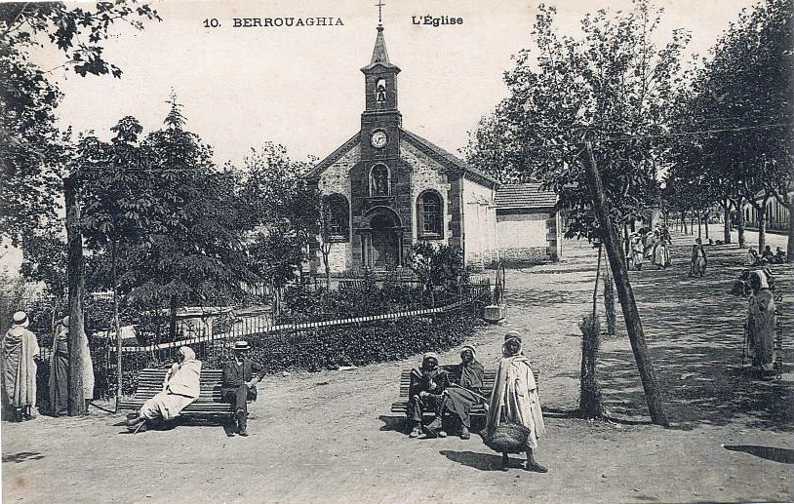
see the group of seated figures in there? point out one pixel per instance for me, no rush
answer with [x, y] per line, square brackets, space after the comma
[182, 386]
[513, 400]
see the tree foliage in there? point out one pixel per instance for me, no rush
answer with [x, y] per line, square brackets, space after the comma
[610, 86]
[32, 150]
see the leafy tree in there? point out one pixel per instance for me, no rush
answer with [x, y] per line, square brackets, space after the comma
[44, 260]
[607, 91]
[192, 248]
[742, 94]
[32, 150]
[437, 266]
[611, 87]
[279, 209]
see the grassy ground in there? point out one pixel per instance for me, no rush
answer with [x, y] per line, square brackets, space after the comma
[329, 437]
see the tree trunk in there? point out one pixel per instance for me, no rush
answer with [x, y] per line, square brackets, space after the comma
[683, 222]
[626, 243]
[762, 225]
[116, 323]
[595, 287]
[740, 223]
[726, 232]
[172, 318]
[706, 225]
[790, 246]
[76, 281]
[590, 404]
[700, 220]
[327, 268]
[630, 313]
[609, 302]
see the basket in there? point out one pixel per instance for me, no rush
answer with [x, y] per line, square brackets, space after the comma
[506, 438]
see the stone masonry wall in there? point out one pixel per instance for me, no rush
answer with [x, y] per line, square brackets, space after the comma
[336, 179]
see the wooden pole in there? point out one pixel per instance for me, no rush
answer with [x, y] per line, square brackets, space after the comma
[76, 281]
[631, 315]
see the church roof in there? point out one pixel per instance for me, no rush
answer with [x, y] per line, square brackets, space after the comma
[334, 156]
[446, 157]
[379, 54]
[440, 155]
[524, 196]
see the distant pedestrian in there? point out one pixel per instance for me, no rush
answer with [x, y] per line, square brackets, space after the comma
[699, 260]
[637, 250]
[20, 352]
[761, 324]
[239, 384]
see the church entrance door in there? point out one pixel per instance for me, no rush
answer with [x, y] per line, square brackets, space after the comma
[385, 241]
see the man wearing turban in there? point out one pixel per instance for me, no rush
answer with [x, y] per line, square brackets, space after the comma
[515, 399]
[426, 393]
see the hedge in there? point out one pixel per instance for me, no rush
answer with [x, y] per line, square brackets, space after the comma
[360, 345]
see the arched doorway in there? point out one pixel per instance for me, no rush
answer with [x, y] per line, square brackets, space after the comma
[385, 240]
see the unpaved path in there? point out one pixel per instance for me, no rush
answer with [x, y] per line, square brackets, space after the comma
[328, 437]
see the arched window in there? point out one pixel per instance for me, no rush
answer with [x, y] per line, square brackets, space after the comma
[430, 215]
[380, 90]
[379, 180]
[336, 218]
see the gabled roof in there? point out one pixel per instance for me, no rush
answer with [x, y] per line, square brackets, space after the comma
[435, 152]
[524, 196]
[446, 158]
[334, 156]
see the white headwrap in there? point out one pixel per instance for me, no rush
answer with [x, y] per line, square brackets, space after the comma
[763, 284]
[188, 353]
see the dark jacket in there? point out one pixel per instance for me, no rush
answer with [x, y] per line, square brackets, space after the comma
[235, 375]
[435, 382]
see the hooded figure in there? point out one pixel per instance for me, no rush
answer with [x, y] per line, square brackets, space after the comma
[58, 384]
[425, 393]
[181, 387]
[20, 349]
[761, 323]
[637, 250]
[515, 398]
[467, 391]
[59, 370]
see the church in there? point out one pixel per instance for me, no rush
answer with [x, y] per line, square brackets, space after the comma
[387, 188]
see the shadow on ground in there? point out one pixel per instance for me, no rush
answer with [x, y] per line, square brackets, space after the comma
[694, 330]
[782, 455]
[22, 457]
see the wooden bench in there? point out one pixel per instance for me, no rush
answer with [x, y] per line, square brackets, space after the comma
[209, 403]
[489, 377]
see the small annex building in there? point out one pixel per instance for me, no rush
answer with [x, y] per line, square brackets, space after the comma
[387, 188]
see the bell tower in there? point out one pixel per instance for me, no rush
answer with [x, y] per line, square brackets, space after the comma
[381, 120]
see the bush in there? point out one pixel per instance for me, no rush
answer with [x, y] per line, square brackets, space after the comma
[360, 345]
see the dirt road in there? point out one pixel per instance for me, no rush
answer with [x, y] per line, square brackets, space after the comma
[328, 437]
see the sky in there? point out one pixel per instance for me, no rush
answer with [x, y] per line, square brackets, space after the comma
[302, 87]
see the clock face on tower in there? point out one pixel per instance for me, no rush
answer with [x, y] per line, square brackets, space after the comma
[379, 139]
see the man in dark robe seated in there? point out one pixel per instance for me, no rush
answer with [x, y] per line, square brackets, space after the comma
[466, 391]
[426, 393]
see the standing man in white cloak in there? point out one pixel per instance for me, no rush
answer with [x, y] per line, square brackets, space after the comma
[515, 399]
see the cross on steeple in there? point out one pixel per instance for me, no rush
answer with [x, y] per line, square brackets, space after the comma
[380, 5]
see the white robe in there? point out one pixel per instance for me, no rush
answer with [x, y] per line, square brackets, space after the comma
[515, 398]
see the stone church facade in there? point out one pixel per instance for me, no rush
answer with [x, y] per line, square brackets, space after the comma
[387, 188]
